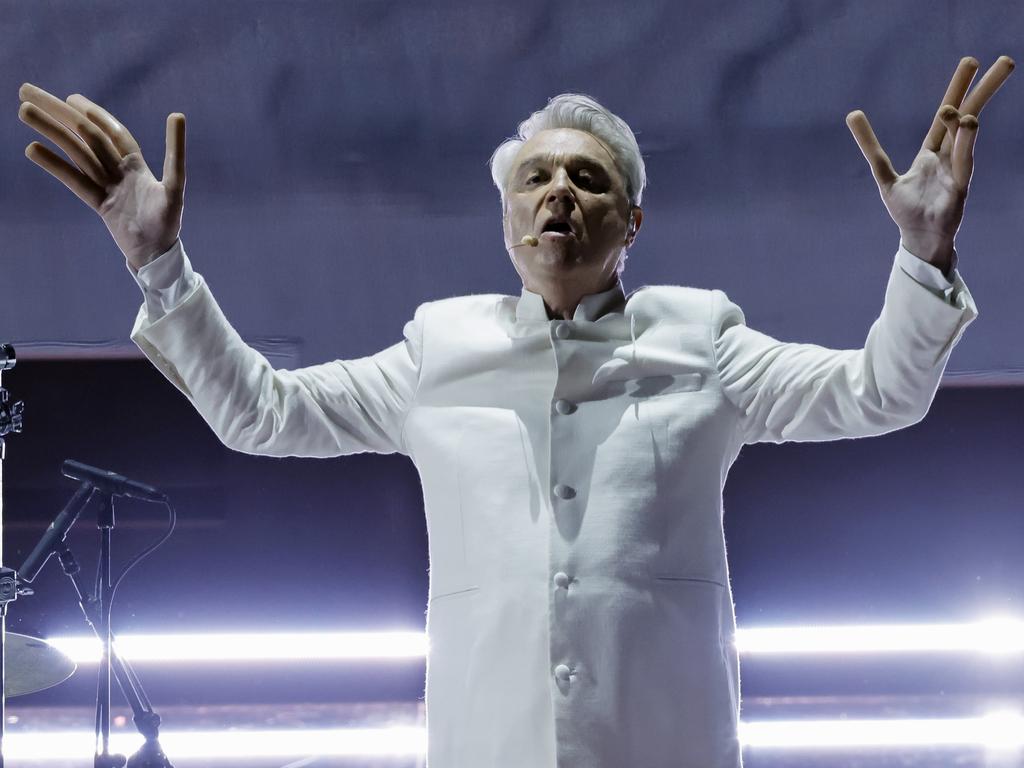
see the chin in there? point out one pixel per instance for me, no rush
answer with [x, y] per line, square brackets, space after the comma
[563, 251]
[560, 262]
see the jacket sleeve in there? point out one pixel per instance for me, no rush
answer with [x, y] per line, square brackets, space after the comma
[785, 391]
[332, 409]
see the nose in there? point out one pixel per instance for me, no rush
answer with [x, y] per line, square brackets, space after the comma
[559, 195]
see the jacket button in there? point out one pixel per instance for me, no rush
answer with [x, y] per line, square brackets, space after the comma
[564, 406]
[562, 673]
[564, 491]
[561, 580]
[562, 330]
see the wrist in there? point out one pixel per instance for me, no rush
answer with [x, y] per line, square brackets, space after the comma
[936, 250]
[141, 258]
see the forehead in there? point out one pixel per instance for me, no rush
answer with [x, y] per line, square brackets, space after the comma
[564, 142]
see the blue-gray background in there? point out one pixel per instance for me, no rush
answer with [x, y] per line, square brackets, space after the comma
[337, 156]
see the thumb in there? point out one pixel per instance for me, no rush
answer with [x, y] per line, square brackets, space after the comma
[881, 167]
[174, 156]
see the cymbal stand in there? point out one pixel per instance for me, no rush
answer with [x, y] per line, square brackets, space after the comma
[10, 422]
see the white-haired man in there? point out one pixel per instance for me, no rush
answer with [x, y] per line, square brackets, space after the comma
[572, 442]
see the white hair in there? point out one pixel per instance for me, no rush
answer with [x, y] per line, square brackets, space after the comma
[574, 110]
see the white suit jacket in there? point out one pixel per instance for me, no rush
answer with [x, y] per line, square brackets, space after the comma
[580, 612]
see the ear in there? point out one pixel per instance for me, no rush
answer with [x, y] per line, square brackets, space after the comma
[504, 225]
[636, 218]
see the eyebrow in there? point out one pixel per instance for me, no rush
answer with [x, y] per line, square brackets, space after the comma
[570, 160]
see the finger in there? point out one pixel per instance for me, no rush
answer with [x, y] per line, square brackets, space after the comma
[73, 147]
[949, 118]
[955, 91]
[119, 136]
[963, 151]
[174, 155]
[86, 190]
[881, 167]
[987, 86]
[97, 141]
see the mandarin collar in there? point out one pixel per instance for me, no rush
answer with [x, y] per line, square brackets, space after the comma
[593, 306]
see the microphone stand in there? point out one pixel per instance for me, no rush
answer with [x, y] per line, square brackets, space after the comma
[10, 421]
[97, 610]
[147, 722]
[105, 522]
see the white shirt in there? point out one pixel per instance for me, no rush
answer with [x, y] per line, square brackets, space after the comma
[580, 613]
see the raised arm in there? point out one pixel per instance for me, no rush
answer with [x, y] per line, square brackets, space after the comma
[787, 391]
[332, 409]
[345, 406]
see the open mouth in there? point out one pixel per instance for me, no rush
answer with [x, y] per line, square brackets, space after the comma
[557, 230]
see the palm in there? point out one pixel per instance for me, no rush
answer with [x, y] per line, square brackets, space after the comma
[927, 197]
[138, 207]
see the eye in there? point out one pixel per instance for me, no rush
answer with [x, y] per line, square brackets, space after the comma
[586, 179]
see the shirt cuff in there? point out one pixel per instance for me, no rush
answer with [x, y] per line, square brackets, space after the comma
[928, 275]
[166, 281]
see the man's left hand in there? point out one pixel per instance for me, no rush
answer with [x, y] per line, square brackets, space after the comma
[927, 202]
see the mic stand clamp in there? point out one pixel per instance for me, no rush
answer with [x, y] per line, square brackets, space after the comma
[12, 415]
[9, 590]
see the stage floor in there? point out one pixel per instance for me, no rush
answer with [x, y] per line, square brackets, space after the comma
[231, 722]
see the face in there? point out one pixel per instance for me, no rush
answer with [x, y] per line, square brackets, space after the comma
[565, 190]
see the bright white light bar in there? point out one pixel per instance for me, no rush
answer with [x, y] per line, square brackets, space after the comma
[999, 731]
[997, 636]
[994, 637]
[304, 646]
[349, 742]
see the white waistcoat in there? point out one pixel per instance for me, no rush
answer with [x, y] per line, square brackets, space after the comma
[580, 614]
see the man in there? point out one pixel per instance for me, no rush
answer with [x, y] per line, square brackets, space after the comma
[572, 443]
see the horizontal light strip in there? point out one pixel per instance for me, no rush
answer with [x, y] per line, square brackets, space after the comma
[992, 637]
[350, 742]
[251, 647]
[999, 731]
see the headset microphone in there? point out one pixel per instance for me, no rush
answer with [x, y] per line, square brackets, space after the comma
[529, 240]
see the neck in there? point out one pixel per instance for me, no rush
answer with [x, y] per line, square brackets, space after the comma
[562, 297]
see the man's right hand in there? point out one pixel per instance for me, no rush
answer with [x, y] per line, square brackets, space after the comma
[109, 173]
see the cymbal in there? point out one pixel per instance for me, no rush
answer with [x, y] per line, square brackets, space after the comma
[33, 665]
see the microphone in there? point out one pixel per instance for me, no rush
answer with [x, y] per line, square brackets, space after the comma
[529, 240]
[108, 482]
[55, 534]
